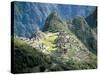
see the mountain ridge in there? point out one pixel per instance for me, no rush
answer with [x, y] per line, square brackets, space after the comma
[61, 44]
[29, 15]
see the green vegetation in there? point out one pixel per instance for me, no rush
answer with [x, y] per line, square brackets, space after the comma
[81, 29]
[54, 23]
[49, 41]
[27, 58]
[31, 59]
[62, 46]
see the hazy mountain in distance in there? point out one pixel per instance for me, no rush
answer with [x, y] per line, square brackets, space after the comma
[27, 15]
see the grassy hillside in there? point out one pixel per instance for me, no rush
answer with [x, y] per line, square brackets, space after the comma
[30, 58]
[62, 46]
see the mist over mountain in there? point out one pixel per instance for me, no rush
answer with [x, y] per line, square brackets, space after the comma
[29, 16]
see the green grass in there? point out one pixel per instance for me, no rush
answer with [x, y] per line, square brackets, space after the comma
[27, 58]
[49, 41]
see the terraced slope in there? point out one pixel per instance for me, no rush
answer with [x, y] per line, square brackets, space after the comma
[60, 46]
[59, 51]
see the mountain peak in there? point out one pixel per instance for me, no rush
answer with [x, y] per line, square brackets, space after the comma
[54, 23]
[54, 13]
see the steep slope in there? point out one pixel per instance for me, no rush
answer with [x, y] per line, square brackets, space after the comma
[28, 15]
[92, 19]
[81, 29]
[62, 49]
[71, 50]
[54, 23]
[28, 59]
[45, 42]
[66, 51]
[62, 46]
